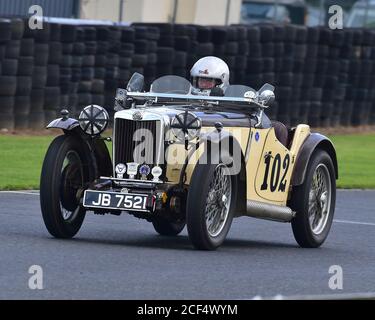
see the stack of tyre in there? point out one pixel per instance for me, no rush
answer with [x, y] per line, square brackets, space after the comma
[87, 36]
[183, 37]
[125, 58]
[300, 103]
[165, 50]
[114, 50]
[203, 46]
[11, 32]
[361, 79]
[227, 45]
[142, 46]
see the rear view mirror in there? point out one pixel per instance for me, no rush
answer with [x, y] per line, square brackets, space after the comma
[266, 97]
[265, 87]
[136, 83]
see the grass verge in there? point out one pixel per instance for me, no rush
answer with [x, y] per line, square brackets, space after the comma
[21, 159]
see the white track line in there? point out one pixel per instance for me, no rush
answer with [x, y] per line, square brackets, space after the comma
[355, 222]
[21, 192]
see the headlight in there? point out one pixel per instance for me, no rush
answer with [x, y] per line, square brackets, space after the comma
[186, 126]
[93, 120]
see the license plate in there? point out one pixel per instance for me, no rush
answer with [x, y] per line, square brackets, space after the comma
[118, 201]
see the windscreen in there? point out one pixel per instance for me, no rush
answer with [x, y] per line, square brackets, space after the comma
[237, 91]
[171, 84]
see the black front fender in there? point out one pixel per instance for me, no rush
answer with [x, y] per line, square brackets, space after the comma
[95, 147]
[64, 124]
[313, 142]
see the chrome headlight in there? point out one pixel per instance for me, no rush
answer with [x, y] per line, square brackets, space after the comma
[93, 120]
[186, 126]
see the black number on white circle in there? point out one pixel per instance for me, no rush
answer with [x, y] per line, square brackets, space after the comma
[278, 167]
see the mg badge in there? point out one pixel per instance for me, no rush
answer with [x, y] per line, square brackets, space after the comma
[156, 173]
[137, 116]
[132, 169]
[120, 170]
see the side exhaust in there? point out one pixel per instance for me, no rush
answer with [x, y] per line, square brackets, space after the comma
[267, 211]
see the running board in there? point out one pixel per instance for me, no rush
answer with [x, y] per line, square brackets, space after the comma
[268, 211]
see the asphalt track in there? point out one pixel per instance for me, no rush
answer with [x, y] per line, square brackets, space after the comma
[123, 258]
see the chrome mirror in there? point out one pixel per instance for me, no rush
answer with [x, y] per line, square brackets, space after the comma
[266, 97]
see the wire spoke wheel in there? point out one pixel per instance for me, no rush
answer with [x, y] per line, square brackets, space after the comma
[218, 200]
[314, 201]
[71, 181]
[319, 199]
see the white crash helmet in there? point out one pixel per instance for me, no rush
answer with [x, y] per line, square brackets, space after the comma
[207, 73]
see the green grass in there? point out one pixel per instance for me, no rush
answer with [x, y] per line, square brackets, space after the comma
[21, 161]
[356, 160]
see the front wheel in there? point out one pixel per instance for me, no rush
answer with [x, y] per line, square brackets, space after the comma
[64, 174]
[210, 205]
[314, 202]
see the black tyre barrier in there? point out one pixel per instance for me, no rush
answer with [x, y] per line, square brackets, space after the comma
[318, 72]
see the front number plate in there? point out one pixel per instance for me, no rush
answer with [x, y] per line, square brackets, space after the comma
[118, 201]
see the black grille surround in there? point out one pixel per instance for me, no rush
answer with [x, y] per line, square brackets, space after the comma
[128, 134]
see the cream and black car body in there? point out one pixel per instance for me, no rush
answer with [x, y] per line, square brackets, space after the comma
[182, 159]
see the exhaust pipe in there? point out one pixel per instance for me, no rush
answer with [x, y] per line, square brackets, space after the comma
[268, 211]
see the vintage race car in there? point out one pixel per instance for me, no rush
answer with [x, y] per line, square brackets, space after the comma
[182, 159]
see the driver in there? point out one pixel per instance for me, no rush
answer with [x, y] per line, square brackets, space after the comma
[208, 73]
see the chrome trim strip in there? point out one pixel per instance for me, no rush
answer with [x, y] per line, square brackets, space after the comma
[190, 97]
[132, 180]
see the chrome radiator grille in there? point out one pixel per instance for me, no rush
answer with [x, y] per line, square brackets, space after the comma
[129, 134]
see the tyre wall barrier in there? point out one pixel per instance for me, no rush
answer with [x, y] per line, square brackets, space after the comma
[322, 77]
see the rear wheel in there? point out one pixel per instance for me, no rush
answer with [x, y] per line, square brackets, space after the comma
[167, 228]
[314, 202]
[64, 175]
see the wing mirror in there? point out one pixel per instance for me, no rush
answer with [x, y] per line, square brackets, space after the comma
[136, 83]
[266, 97]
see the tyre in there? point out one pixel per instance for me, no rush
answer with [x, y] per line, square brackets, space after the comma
[207, 49]
[5, 30]
[21, 121]
[139, 60]
[6, 121]
[165, 55]
[6, 105]
[27, 47]
[207, 229]
[167, 228]
[41, 58]
[17, 28]
[21, 105]
[12, 49]
[203, 34]
[24, 85]
[8, 85]
[231, 48]
[9, 67]
[314, 202]
[25, 66]
[66, 169]
[68, 33]
[101, 60]
[55, 52]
